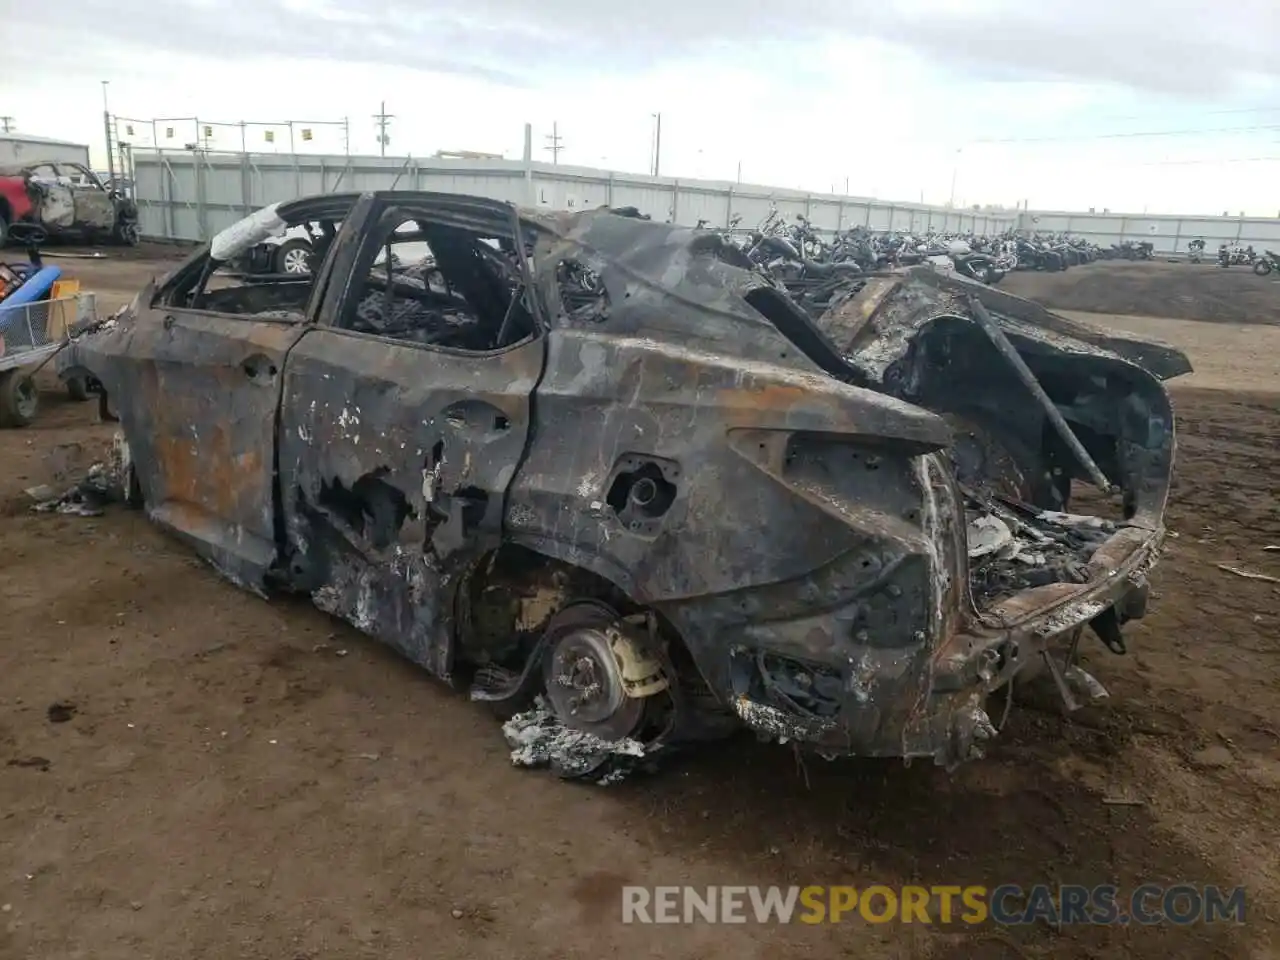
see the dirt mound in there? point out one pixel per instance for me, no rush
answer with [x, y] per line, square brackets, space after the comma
[1183, 291]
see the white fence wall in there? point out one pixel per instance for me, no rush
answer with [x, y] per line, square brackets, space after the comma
[188, 195]
[1169, 234]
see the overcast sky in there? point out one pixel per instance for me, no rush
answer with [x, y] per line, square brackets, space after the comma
[1009, 99]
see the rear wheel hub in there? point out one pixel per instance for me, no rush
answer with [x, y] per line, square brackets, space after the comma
[585, 686]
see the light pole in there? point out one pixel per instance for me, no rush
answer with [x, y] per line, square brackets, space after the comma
[106, 129]
[657, 143]
[955, 169]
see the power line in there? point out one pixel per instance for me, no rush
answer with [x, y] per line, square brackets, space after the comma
[1206, 113]
[1131, 135]
[1178, 163]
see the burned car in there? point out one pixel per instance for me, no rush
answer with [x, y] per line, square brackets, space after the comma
[598, 461]
[68, 200]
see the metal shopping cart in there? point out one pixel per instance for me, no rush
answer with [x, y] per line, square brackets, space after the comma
[30, 333]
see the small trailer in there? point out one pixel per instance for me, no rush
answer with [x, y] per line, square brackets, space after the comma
[34, 322]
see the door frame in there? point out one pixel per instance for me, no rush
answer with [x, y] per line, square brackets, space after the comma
[412, 570]
[215, 522]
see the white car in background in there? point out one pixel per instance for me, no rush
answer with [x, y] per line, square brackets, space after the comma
[291, 253]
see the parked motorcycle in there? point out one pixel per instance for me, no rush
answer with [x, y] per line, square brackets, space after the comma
[1236, 256]
[781, 260]
[1038, 256]
[1267, 263]
[1135, 250]
[975, 265]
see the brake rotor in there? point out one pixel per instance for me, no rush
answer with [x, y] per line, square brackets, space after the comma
[584, 683]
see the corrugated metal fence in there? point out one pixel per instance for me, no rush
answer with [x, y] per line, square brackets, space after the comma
[1169, 234]
[190, 195]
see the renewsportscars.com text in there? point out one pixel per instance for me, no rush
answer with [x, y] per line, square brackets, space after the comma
[1007, 904]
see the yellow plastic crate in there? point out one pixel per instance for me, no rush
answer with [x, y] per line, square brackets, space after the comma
[63, 312]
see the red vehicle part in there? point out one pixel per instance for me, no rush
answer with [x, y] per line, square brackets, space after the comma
[15, 203]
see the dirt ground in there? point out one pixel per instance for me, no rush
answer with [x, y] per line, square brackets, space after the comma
[1157, 288]
[252, 779]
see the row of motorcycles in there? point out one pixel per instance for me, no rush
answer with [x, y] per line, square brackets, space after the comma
[1234, 255]
[794, 252]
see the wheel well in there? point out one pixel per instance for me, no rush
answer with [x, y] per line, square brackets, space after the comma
[508, 596]
[75, 371]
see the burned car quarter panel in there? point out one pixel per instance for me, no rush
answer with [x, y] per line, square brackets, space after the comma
[697, 486]
[785, 522]
[842, 527]
[809, 544]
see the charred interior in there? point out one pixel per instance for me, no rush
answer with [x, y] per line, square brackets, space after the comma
[420, 282]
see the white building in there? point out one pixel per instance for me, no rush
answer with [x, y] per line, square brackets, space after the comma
[23, 148]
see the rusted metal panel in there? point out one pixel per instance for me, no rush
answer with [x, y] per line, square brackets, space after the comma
[198, 395]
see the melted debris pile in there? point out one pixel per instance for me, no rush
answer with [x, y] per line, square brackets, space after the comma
[103, 484]
[1013, 547]
[538, 739]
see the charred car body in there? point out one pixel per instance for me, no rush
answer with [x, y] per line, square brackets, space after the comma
[600, 460]
[68, 200]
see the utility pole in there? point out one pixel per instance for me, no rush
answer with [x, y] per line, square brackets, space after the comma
[6, 124]
[553, 142]
[657, 143]
[384, 119]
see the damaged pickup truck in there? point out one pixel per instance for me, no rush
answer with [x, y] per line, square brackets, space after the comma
[599, 461]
